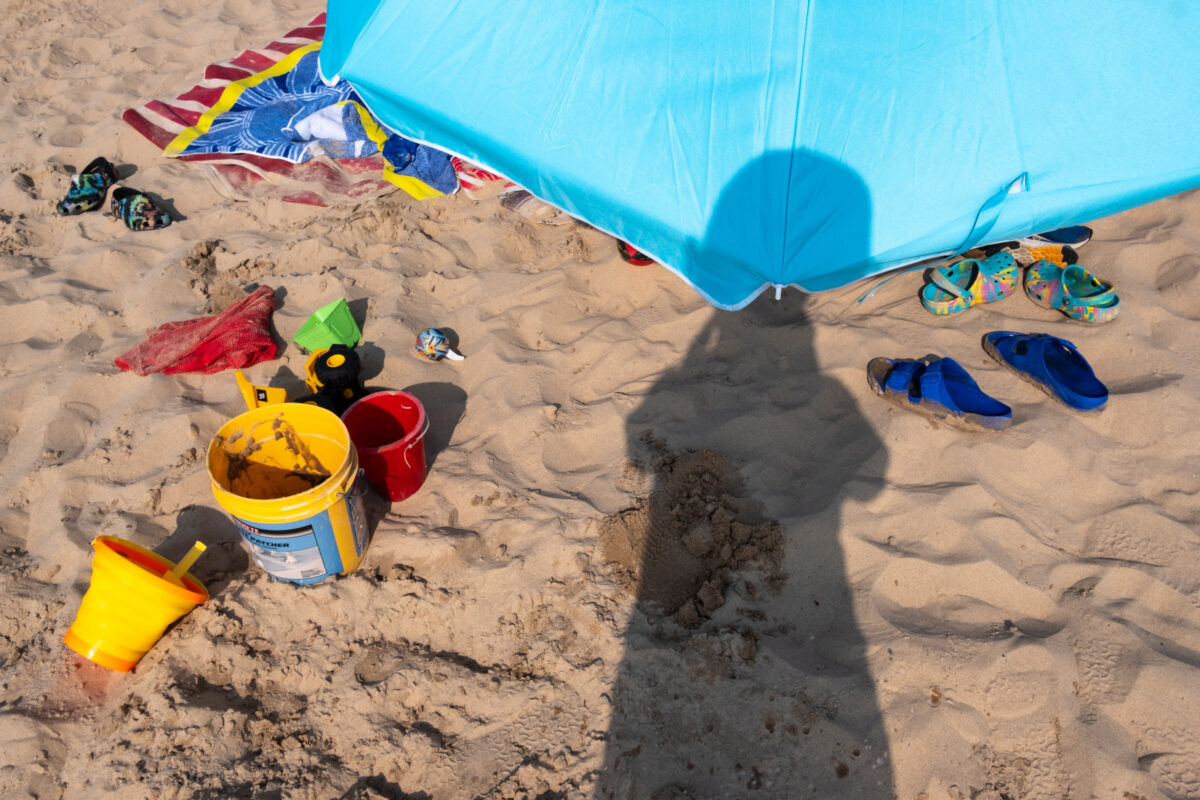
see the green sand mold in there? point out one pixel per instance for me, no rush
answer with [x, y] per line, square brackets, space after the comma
[333, 324]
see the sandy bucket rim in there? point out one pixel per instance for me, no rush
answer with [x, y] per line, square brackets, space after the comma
[408, 440]
[138, 560]
[333, 484]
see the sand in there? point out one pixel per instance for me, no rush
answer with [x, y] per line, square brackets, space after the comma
[663, 551]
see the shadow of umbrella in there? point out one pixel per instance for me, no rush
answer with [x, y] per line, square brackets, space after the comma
[744, 673]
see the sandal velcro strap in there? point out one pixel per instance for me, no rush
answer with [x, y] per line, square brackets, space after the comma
[904, 377]
[939, 388]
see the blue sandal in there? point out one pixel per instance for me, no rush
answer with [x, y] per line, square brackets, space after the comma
[940, 389]
[88, 188]
[1051, 364]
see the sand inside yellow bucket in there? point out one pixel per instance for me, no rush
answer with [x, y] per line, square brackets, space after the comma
[271, 460]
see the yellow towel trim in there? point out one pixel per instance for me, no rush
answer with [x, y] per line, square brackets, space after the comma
[230, 96]
[415, 187]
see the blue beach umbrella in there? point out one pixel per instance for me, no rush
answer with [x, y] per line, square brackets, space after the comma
[750, 144]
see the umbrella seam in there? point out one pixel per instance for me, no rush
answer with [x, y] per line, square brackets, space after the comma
[366, 26]
[1008, 87]
[787, 206]
[583, 36]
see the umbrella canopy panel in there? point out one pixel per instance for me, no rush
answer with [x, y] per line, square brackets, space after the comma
[746, 144]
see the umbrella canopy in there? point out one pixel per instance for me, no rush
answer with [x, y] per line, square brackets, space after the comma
[754, 143]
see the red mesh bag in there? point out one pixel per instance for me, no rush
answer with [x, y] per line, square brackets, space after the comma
[237, 337]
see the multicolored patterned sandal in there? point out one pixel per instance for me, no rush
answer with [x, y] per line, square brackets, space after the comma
[1072, 290]
[137, 210]
[88, 188]
[970, 282]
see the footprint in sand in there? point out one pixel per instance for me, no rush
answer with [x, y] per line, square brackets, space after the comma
[380, 662]
[1020, 687]
[1177, 774]
[68, 55]
[67, 433]
[460, 249]
[15, 239]
[1138, 534]
[1107, 663]
[978, 600]
[1162, 617]
[1029, 764]
[83, 346]
[69, 134]
[1169, 754]
[25, 185]
[1176, 282]
[31, 756]
[8, 430]
[515, 247]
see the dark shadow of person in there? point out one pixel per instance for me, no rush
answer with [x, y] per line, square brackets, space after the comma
[744, 673]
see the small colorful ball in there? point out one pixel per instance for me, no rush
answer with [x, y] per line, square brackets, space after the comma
[434, 345]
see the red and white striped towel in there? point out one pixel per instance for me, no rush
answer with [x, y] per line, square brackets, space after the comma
[319, 181]
[472, 178]
[161, 122]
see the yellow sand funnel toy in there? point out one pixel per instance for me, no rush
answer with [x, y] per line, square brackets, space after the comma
[134, 596]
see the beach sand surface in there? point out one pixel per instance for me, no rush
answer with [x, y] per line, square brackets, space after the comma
[662, 551]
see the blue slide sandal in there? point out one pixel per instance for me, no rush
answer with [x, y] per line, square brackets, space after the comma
[938, 388]
[1051, 364]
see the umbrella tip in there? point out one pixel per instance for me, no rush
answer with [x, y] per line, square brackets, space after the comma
[778, 290]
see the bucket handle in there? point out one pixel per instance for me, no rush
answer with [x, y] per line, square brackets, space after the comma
[414, 442]
[358, 488]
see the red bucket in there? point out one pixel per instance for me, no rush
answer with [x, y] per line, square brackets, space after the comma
[388, 430]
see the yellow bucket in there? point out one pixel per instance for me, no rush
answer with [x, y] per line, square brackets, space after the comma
[288, 475]
[129, 604]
